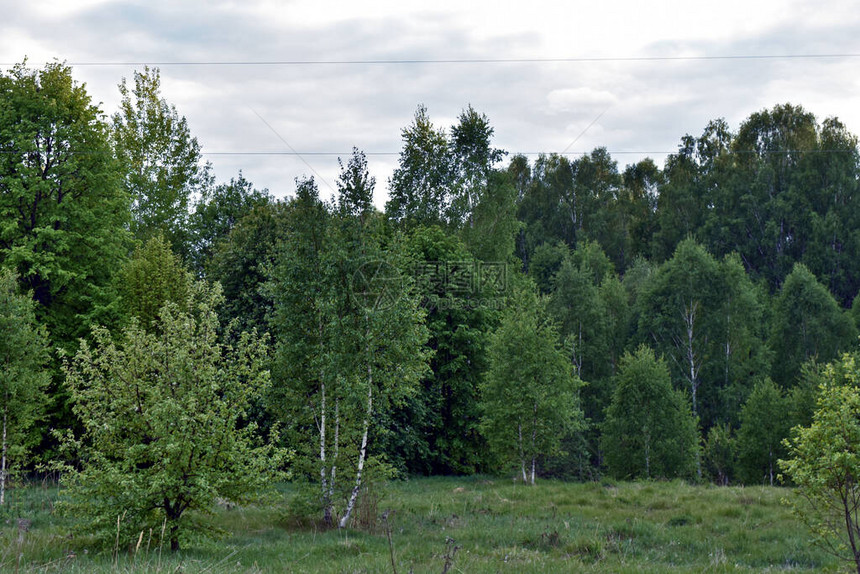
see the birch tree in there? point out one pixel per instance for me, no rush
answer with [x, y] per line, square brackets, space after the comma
[23, 375]
[350, 337]
[530, 394]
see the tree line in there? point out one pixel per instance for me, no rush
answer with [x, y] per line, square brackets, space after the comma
[171, 340]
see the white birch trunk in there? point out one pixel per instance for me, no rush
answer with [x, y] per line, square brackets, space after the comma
[362, 453]
[689, 323]
[323, 482]
[336, 450]
[522, 452]
[534, 443]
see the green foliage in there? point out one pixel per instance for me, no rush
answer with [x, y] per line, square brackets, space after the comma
[152, 277]
[420, 187]
[824, 462]
[163, 416]
[242, 261]
[349, 339]
[23, 375]
[62, 210]
[720, 454]
[649, 430]
[705, 316]
[217, 212]
[765, 423]
[162, 163]
[808, 324]
[437, 431]
[448, 180]
[529, 394]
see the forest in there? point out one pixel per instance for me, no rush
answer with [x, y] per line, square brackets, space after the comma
[172, 342]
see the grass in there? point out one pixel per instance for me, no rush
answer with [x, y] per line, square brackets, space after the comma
[474, 524]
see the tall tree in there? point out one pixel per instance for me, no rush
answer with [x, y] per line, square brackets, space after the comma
[420, 187]
[649, 429]
[704, 315]
[807, 324]
[765, 423]
[439, 428]
[62, 208]
[162, 163]
[23, 375]
[218, 210]
[349, 342]
[530, 392]
[473, 160]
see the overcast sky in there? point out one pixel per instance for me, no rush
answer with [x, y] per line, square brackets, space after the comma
[646, 72]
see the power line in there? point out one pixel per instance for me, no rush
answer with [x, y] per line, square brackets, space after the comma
[420, 61]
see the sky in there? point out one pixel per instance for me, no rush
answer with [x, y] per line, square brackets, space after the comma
[259, 80]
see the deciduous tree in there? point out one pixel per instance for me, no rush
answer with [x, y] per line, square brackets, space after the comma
[162, 412]
[530, 392]
[23, 375]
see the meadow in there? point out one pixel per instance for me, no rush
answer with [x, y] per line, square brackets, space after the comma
[475, 524]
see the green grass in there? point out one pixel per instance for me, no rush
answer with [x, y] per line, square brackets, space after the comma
[494, 525]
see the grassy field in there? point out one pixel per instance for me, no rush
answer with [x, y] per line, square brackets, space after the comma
[474, 524]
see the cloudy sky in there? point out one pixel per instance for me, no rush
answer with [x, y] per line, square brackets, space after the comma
[257, 78]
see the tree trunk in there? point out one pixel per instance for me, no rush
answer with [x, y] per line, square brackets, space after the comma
[522, 452]
[3, 461]
[323, 482]
[534, 443]
[689, 323]
[362, 453]
[336, 450]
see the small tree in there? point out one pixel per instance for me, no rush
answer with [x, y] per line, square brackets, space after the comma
[720, 453]
[649, 429]
[765, 423]
[162, 413]
[530, 393]
[824, 463]
[23, 376]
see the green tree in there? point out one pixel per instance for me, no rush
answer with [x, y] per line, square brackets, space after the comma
[649, 429]
[719, 454]
[152, 277]
[216, 213]
[807, 324]
[344, 352]
[438, 432]
[679, 314]
[765, 424]
[530, 393]
[23, 375]
[162, 413]
[824, 463]
[241, 262]
[63, 212]
[705, 317]
[162, 163]
[473, 158]
[420, 187]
